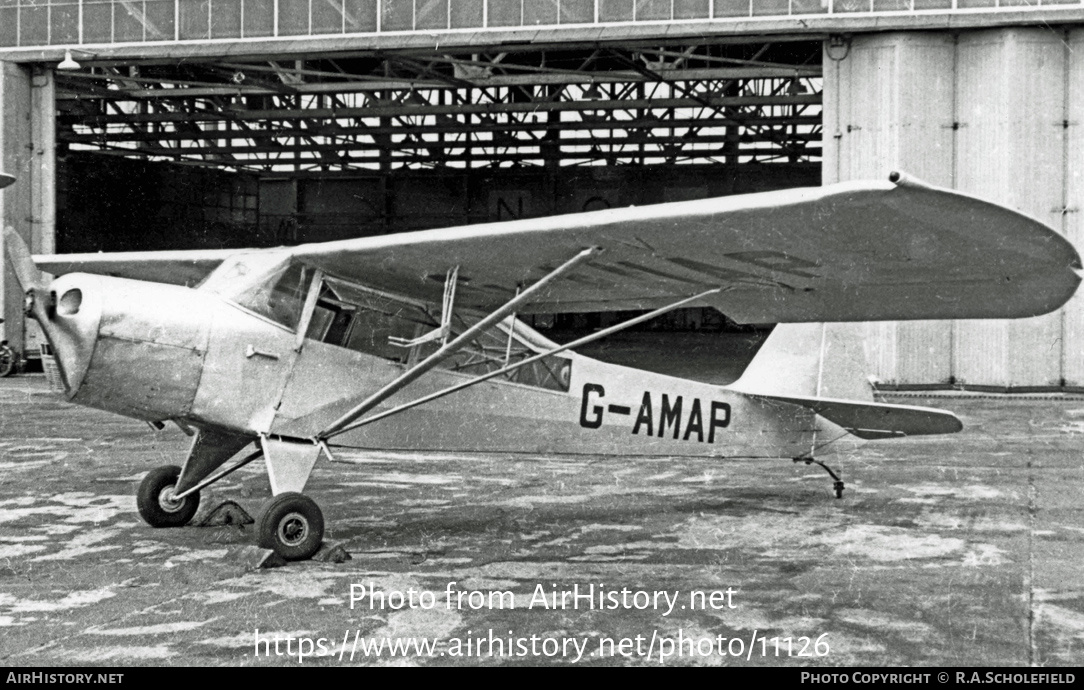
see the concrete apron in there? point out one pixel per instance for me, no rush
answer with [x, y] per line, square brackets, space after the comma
[958, 550]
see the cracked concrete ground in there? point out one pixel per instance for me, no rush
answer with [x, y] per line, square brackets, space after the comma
[956, 550]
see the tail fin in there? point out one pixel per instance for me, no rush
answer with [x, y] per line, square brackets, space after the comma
[816, 360]
[823, 367]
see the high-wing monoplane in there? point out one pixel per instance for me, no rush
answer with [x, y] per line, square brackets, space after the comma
[416, 341]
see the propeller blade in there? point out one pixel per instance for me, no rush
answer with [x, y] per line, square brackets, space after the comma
[26, 271]
[38, 298]
[37, 304]
[6, 180]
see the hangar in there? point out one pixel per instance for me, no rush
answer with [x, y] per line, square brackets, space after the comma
[164, 124]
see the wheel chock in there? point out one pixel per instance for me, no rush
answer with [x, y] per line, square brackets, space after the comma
[226, 513]
[331, 553]
[255, 558]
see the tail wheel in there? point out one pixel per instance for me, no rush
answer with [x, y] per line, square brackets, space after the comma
[156, 503]
[837, 485]
[291, 525]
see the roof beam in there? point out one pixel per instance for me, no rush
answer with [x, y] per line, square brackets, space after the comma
[197, 89]
[458, 127]
[472, 108]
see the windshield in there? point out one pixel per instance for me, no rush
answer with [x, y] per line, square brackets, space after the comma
[241, 269]
[265, 283]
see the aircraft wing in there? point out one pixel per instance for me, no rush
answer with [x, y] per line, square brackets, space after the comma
[182, 267]
[862, 251]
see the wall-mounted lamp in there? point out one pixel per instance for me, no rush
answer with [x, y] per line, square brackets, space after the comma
[593, 93]
[838, 47]
[414, 98]
[68, 63]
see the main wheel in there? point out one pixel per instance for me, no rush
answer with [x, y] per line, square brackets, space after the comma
[7, 360]
[292, 525]
[155, 499]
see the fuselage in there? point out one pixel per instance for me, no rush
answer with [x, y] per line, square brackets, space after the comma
[163, 352]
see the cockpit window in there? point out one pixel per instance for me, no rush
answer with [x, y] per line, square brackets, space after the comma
[369, 321]
[281, 297]
[365, 320]
[242, 270]
[493, 349]
[275, 289]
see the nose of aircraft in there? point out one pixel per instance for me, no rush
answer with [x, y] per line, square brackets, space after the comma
[69, 310]
[70, 318]
[127, 346]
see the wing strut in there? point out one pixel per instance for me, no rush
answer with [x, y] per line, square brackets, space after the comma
[448, 349]
[348, 426]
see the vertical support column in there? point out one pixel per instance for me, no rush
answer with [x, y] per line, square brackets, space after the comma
[994, 113]
[43, 169]
[15, 205]
[27, 143]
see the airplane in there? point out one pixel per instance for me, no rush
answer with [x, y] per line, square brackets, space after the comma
[416, 341]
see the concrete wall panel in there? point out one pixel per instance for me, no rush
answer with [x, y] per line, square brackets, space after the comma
[981, 355]
[1011, 91]
[1072, 344]
[923, 131]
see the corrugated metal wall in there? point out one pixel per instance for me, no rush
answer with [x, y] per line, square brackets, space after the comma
[994, 113]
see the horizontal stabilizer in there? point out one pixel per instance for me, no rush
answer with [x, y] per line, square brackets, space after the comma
[877, 420]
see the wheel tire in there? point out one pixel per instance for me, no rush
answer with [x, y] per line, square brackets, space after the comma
[291, 525]
[7, 361]
[155, 504]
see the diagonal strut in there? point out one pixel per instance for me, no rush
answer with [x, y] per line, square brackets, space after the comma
[343, 428]
[451, 348]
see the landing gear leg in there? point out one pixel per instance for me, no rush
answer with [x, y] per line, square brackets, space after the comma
[838, 486]
[290, 523]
